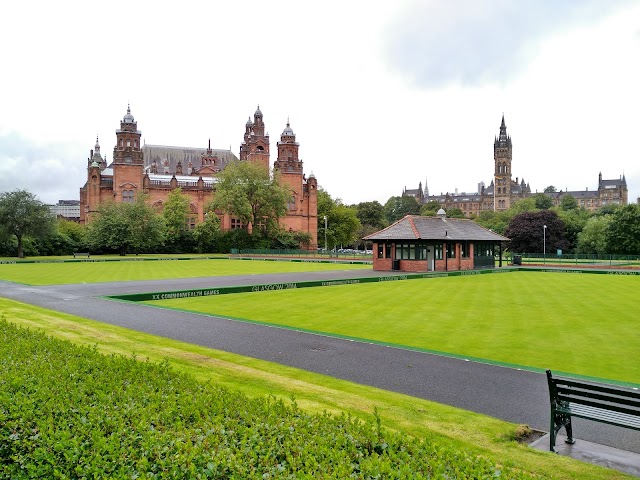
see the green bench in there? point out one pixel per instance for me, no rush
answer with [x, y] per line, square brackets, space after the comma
[81, 254]
[600, 403]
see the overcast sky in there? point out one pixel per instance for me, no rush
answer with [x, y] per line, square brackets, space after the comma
[381, 95]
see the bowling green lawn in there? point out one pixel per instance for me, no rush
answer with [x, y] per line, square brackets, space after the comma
[581, 324]
[55, 273]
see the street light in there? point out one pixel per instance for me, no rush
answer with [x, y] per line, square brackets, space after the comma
[544, 243]
[325, 233]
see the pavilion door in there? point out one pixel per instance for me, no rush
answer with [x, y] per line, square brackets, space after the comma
[430, 265]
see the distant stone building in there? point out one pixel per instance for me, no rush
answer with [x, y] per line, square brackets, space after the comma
[609, 192]
[159, 169]
[66, 209]
[504, 191]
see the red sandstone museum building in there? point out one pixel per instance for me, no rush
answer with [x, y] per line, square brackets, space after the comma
[426, 244]
[158, 170]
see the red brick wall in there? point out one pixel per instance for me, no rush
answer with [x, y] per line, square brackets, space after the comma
[413, 265]
[382, 264]
[450, 264]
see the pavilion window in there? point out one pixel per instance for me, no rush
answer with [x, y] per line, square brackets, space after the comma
[438, 251]
[451, 250]
[387, 253]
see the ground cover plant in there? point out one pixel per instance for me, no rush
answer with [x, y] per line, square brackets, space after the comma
[69, 411]
[90, 272]
[449, 428]
[580, 324]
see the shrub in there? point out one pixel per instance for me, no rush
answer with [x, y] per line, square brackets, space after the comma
[66, 411]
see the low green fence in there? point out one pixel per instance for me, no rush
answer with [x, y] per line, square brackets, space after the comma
[98, 259]
[301, 253]
[578, 259]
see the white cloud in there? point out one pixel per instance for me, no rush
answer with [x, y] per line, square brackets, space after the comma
[368, 125]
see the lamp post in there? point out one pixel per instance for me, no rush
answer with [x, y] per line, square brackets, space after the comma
[544, 243]
[325, 234]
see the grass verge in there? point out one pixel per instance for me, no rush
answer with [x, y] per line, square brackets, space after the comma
[454, 428]
[93, 272]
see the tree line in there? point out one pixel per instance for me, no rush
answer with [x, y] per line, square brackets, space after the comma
[256, 198]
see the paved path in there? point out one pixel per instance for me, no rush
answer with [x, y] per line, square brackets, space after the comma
[509, 394]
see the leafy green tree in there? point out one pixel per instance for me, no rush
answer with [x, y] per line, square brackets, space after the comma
[574, 221]
[592, 238]
[430, 209]
[550, 189]
[522, 205]
[289, 239]
[65, 238]
[247, 192]
[542, 201]
[175, 213]
[371, 213]
[207, 233]
[22, 214]
[126, 226]
[399, 207]
[607, 209]
[494, 221]
[567, 202]
[623, 231]
[455, 213]
[527, 233]
[342, 222]
[76, 233]
[344, 225]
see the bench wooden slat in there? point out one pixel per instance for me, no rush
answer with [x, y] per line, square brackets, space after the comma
[601, 403]
[602, 415]
[629, 397]
[621, 407]
[594, 387]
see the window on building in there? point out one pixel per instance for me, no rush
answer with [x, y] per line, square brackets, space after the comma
[387, 253]
[438, 251]
[451, 250]
[127, 196]
[236, 223]
[483, 249]
[292, 202]
[464, 250]
[381, 250]
[128, 143]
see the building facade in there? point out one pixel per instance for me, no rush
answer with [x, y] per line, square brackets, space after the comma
[66, 209]
[504, 191]
[435, 244]
[158, 170]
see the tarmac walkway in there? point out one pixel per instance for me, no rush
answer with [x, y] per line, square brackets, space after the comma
[462, 383]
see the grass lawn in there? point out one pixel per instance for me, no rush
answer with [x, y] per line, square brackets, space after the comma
[574, 323]
[91, 272]
[451, 427]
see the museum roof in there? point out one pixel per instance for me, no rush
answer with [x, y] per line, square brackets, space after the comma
[172, 155]
[414, 227]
